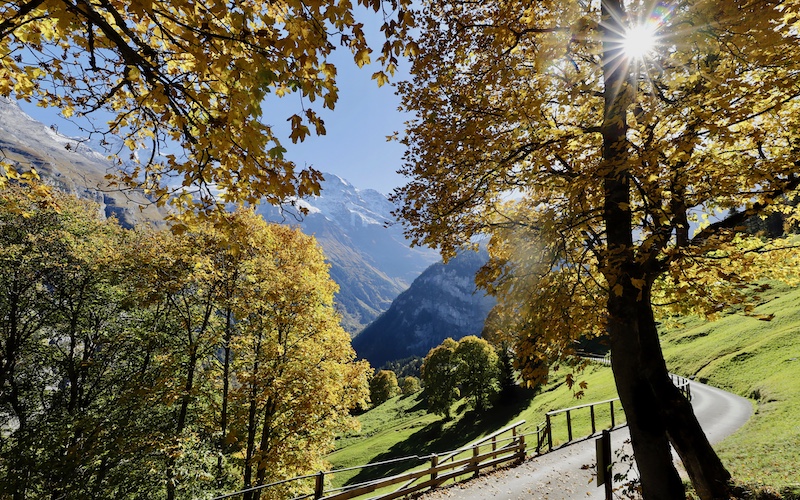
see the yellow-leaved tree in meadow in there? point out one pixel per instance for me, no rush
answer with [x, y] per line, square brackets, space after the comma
[614, 150]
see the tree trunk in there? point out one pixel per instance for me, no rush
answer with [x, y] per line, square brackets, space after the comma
[709, 477]
[648, 429]
[655, 410]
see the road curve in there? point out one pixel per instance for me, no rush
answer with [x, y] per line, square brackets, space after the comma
[567, 472]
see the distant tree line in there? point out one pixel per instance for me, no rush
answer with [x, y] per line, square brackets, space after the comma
[164, 364]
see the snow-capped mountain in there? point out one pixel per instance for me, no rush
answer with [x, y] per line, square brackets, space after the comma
[442, 302]
[370, 258]
[69, 164]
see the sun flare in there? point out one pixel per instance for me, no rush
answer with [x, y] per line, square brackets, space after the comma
[639, 41]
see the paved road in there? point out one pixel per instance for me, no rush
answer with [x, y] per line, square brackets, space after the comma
[567, 472]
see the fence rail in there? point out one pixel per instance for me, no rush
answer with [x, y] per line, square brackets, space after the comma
[468, 460]
[488, 452]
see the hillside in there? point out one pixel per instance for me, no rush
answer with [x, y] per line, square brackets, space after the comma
[761, 361]
[70, 165]
[754, 358]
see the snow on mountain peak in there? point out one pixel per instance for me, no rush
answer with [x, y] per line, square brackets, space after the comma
[348, 205]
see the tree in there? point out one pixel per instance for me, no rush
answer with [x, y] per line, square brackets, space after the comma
[477, 371]
[74, 361]
[293, 363]
[162, 75]
[439, 378]
[117, 348]
[410, 386]
[383, 386]
[604, 177]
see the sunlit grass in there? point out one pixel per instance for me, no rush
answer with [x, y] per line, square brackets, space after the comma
[753, 358]
[759, 360]
[402, 427]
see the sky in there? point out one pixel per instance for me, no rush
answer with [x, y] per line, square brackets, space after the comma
[355, 146]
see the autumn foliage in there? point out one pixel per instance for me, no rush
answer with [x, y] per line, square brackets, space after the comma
[190, 87]
[143, 364]
[616, 185]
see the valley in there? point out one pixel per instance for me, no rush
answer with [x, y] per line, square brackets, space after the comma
[753, 358]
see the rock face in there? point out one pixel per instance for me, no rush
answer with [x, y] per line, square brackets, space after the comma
[442, 302]
[70, 165]
[370, 258]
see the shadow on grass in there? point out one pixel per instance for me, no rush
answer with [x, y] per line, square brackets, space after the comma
[446, 435]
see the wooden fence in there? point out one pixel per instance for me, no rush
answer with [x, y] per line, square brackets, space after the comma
[544, 431]
[488, 452]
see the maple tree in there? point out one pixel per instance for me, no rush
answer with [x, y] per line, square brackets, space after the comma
[612, 180]
[186, 84]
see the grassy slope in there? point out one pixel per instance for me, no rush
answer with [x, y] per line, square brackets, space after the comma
[401, 427]
[759, 360]
[753, 358]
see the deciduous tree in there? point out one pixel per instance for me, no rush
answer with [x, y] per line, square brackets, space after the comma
[606, 175]
[410, 385]
[167, 75]
[439, 378]
[477, 371]
[383, 386]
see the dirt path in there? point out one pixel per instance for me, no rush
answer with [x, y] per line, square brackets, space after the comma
[568, 472]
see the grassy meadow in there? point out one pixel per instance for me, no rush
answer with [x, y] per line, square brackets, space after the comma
[752, 357]
[759, 360]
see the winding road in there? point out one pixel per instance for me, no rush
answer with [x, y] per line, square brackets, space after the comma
[568, 472]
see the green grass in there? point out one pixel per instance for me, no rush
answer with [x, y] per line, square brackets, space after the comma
[751, 357]
[402, 427]
[759, 360]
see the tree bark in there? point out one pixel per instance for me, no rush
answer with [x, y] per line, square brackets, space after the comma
[648, 429]
[708, 476]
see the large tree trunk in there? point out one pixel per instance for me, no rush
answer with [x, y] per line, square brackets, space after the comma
[659, 478]
[655, 410]
[709, 477]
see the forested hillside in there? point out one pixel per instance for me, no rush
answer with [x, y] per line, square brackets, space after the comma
[161, 364]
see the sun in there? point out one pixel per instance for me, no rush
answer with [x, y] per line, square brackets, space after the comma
[639, 41]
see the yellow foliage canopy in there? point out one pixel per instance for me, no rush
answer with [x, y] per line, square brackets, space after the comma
[512, 140]
[191, 74]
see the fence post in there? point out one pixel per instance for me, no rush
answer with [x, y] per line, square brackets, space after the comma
[475, 453]
[319, 487]
[522, 448]
[434, 464]
[549, 431]
[611, 403]
[569, 428]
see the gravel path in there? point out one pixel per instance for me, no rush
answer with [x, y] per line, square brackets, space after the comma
[568, 472]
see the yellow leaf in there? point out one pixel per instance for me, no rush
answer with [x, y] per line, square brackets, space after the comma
[362, 57]
[381, 77]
